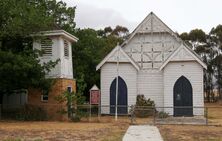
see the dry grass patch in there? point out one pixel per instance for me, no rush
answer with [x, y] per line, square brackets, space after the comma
[215, 113]
[196, 133]
[190, 133]
[62, 131]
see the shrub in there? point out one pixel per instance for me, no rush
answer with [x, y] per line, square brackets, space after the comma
[80, 112]
[75, 118]
[72, 100]
[31, 113]
[163, 114]
[144, 107]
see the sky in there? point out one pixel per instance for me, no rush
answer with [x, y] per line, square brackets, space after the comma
[179, 15]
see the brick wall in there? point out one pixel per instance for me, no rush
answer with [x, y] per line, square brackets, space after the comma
[52, 106]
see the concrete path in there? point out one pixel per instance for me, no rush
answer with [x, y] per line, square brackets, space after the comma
[142, 133]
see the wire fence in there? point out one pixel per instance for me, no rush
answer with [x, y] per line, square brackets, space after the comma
[147, 114]
[208, 115]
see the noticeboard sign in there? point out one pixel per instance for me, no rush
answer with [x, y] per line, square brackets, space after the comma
[94, 96]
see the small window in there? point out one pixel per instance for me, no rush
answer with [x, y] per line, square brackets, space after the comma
[44, 98]
[46, 46]
[66, 48]
[69, 89]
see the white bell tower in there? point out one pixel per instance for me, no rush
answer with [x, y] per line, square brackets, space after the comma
[56, 44]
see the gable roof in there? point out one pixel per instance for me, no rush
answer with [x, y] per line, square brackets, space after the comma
[189, 51]
[112, 53]
[152, 24]
[146, 26]
[94, 88]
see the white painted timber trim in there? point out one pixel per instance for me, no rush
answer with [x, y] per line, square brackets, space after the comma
[63, 33]
[146, 18]
[112, 53]
[189, 51]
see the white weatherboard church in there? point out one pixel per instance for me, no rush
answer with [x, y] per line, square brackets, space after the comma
[155, 63]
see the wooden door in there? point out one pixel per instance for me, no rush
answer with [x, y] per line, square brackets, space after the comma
[183, 97]
[122, 97]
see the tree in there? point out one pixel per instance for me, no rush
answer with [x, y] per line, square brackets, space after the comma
[85, 57]
[120, 31]
[217, 32]
[87, 53]
[23, 71]
[185, 36]
[24, 17]
[197, 35]
[209, 47]
[215, 36]
[217, 62]
[20, 67]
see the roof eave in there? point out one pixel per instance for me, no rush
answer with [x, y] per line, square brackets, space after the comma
[63, 33]
[113, 51]
[196, 57]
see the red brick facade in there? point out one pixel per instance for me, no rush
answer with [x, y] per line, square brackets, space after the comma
[52, 106]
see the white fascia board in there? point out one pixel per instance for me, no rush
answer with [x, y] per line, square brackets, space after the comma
[190, 52]
[111, 53]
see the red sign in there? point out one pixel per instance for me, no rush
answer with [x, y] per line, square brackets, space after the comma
[94, 96]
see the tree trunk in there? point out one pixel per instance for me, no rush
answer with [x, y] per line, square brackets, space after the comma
[219, 93]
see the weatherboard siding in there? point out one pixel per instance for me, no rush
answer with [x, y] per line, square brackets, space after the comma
[108, 73]
[64, 67]
[150, 84]
[193, 71]
[160, 58]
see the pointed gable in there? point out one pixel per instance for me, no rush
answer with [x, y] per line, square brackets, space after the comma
[151, 43]
[150, 46]
[183, 53]
[151, 24]
[112, 57]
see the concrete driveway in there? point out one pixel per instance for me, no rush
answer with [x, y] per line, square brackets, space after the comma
[142, 133]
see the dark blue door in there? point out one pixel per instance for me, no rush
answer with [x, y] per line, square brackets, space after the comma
[183, 97]
[122, 97]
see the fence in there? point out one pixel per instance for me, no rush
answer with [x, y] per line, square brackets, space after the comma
[153, 115]
[131, 114]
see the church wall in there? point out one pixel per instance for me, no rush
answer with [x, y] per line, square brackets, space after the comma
[150, 84]
[108, 73]
[193, 71]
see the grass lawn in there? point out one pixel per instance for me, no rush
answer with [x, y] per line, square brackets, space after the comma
[196, 133]
[190, 133]
[108, 130]
[61, 131]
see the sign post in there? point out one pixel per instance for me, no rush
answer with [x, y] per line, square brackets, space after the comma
[94, 98]
[117, 83]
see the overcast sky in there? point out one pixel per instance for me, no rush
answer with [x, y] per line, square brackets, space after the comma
[179, 15]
